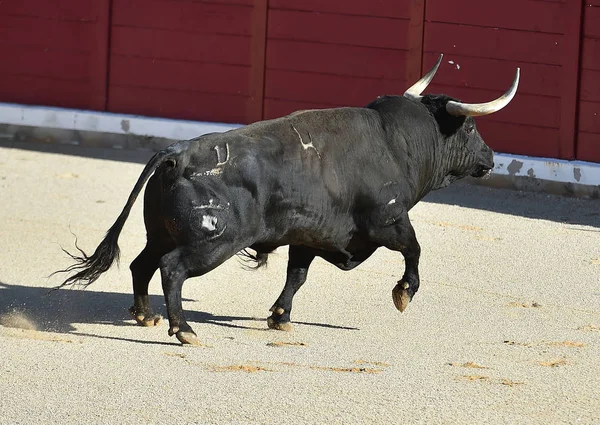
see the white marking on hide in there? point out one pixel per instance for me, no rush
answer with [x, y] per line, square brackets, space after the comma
[219, 163]
[211, 205]
[209, 223]
[392, 201]
[309, 145]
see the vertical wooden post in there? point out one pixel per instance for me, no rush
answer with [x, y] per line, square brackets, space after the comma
[570, 78]
[415, 41]
[258, 56]
[99, 64]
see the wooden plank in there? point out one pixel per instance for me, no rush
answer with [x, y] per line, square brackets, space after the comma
[178, 104]
[340, 29]
[588, 147]
[34, 90]
[490, 42]
[571, 58]
[416, 31]
[589, 86]
[45, 33]
[67, 66]
[383, 8]
[175, 75]
[542, 111]
[508, 14]
[98, 66]
[336, 60]
[190, 16]
[492, 74]
[519, 139]
[258, 48]
[590, 54]
[328, 89]
[152, 43]
[589, 117]
[591, 20]
[74, 10]
[275, 108]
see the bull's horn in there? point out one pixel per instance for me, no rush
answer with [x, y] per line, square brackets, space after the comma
[477, 109]
[415, 91]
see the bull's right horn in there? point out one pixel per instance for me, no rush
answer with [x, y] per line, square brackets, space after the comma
[477, 109]
[414, 92]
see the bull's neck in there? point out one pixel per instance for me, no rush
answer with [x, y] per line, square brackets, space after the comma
[427, 157]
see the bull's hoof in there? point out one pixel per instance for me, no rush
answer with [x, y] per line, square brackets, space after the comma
[187, 338]
[401, 296]
[280, 326]
[147, 320]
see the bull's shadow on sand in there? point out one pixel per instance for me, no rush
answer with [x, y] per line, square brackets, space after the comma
[524, 204]
[45, 309]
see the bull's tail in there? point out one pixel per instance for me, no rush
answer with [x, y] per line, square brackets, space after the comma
[89, 268]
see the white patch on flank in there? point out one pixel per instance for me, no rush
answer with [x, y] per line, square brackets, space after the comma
[307, 146]
[392, 201]
[209, 223]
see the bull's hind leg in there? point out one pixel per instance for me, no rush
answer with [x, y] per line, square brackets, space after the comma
[299, 261]
[175, 268]
[142, 270]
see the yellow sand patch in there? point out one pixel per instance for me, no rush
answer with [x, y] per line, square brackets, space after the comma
[366, 362]
[35, 335]
[240, 368]
[180, 355]
[589, 328]
[347, 369]
[524, 305]
[475, 377]
[286, 344]
[565, 344]
[470, 365]
[553, 363]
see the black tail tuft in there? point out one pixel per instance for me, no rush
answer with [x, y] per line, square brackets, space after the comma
[260, 259]
[89, 268]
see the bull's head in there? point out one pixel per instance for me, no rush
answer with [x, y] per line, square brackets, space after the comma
[467, 154]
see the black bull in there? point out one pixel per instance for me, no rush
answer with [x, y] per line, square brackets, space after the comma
[334, 183]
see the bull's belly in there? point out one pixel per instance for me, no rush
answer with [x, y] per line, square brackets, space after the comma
[324, 233]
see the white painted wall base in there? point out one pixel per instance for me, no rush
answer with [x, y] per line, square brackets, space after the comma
[555, 170]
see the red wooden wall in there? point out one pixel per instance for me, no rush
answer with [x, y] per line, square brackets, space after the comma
[244, 60]
[588, 141]
[54, 52]
[482, 50]
[323, 54]
[185, 59]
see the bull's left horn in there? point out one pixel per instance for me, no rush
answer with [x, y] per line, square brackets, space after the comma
[414, 92]
[477, 109]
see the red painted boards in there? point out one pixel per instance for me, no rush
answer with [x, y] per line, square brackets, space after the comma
[588, 142]
[324, 54]
[186, 59]
[483, 45]
[54, 53]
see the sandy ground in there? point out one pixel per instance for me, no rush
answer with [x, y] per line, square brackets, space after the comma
[505, 328]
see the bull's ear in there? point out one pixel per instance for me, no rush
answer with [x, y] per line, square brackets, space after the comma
[478, 109]
[414, 92]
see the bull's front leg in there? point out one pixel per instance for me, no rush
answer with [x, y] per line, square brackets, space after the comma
[299, 260]
[392, 229]
[408, 245]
